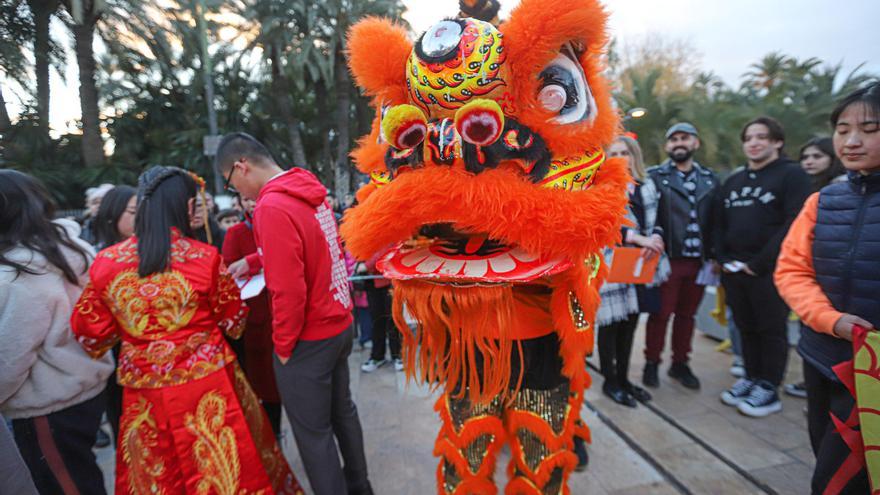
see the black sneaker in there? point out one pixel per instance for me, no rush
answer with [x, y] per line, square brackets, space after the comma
[763, 401]
[102, 439]
[796, 390]
[649, 375]
[738, 392]
[683, 374]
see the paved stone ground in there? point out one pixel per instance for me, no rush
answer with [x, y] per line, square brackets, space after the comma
[400, 425]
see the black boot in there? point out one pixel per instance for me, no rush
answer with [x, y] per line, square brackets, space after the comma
[618, 394]
[637, 392]
[683, 374]
[580, 449]
[649, 376]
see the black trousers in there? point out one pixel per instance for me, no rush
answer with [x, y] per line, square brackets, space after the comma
[314, 388]
[383, 325]
[113, 393]
[762, 318]
[57, 449]
[615, 348]
[826, 397]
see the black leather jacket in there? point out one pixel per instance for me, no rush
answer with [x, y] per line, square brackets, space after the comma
[673, 212]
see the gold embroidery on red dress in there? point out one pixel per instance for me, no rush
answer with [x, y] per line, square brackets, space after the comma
[137, 441]
[153, 306]
[215, 450]
[228, 292]
[181, 250]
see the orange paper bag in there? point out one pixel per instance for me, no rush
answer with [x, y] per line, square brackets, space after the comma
[629, 267]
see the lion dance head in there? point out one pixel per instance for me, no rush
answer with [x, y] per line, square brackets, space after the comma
[487, 176]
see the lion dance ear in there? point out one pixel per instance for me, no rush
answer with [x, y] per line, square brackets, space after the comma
[377, 53]
[534, 35]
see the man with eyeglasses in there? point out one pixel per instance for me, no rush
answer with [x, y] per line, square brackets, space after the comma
[301, 254]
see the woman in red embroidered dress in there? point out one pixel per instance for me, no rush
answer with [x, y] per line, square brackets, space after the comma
[190, 421]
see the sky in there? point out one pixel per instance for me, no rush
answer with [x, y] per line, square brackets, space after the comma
[728, 36]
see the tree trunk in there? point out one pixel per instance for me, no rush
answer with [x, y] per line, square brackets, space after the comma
[42, 11]
[342, 172]
[285, 108]
[83, 37]
[5, 122]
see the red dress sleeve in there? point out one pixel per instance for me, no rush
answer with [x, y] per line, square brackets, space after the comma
[226, 300]
[92, 321]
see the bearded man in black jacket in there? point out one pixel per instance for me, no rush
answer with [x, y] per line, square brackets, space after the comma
[755, 208]
[687, 190]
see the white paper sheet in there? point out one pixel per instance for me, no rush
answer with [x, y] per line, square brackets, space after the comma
[251, 287]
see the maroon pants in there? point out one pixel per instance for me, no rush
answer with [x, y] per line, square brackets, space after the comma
[680, 295]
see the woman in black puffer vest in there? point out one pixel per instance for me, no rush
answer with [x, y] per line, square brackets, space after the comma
[828, 272]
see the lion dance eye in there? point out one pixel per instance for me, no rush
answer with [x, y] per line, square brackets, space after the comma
[553, 97]
[564, 89]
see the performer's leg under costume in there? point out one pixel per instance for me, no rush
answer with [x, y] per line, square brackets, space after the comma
[540, 426]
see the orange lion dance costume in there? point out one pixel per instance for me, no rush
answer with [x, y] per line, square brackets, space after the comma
[490, 200]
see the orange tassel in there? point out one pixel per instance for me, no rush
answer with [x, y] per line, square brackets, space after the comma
[447, 345]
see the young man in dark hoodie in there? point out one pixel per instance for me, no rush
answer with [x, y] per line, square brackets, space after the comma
[300, 252]
[757, 204]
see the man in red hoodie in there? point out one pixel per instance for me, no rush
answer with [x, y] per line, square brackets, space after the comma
[300, 252]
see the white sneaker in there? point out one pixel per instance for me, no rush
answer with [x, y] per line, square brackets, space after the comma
[737, 369]
[398, 364]
[739, 392]
[763, 401]
[372, 365]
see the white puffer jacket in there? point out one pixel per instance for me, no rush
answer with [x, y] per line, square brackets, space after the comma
[43, 369]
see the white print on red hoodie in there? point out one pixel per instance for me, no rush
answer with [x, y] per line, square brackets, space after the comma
[338, 274]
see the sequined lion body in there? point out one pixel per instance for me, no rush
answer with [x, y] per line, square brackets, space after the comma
[489, 201]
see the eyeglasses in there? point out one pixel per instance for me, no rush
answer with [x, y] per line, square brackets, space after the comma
[226, 185]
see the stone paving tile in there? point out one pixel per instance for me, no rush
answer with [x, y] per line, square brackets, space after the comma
[701, 473]
[788, 479]
[755, 444]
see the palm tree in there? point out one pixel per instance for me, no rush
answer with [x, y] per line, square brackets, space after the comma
[43, 48]
[769, 71]
[85, 15]
[16, 32]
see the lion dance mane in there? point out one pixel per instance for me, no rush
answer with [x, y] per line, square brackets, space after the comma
[488, 180]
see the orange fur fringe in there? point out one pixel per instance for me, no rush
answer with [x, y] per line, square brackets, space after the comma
[446, 344]
[501, 203]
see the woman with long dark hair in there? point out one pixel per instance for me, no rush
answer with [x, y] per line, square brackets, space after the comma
[114, 222]
[190, 421]
[49, 386]
[820, 162]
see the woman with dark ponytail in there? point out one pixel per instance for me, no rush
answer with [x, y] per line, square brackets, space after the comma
[49, 387]
[113, 224]
[190, 419]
